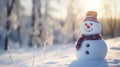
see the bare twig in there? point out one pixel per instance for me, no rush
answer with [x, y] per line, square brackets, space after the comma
[33, 59]
[44, 51]
[33, 63]
[10, 57]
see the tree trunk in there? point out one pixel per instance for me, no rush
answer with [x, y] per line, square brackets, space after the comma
[9, 6]
[36, 15]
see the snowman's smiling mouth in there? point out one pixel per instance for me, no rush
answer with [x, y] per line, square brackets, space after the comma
[89, 30]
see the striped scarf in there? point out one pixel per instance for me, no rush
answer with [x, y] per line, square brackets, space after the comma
[87, 37]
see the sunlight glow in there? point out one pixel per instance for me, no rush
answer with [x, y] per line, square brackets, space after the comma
[94, 5]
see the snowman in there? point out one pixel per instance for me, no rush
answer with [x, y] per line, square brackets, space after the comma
[91, 45]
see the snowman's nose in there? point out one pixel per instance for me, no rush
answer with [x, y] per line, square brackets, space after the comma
[87, 26]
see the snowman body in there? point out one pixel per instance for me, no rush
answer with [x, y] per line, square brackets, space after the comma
[91, 49]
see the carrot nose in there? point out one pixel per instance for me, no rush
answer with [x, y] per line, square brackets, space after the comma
[87, 26]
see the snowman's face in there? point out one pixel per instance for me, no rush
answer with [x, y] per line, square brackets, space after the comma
[90, 27]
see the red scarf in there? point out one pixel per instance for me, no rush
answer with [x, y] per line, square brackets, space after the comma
[87, 37]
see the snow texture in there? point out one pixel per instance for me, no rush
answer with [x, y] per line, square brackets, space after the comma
[59, 56]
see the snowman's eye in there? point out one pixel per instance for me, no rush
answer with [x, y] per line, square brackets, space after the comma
[85, 23]
[91, 24]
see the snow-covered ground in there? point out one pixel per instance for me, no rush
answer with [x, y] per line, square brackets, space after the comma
[58, 56]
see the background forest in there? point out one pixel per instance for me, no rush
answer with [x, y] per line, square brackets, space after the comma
[26, 23]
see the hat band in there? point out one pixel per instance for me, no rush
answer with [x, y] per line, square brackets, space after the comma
[91, 19]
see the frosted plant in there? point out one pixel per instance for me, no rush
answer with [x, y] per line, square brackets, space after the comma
[44, 51]
[34, 55]
[44, 48]
[10, 57]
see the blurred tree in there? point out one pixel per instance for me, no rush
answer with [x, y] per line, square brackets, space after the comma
[71, 22]
[37, 31]
[48, 31]
[9, 5]
[15, 28]
[110, 18]
[24, 22]
[18, 9]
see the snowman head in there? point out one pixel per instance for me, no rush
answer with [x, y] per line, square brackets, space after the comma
[91, 25]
